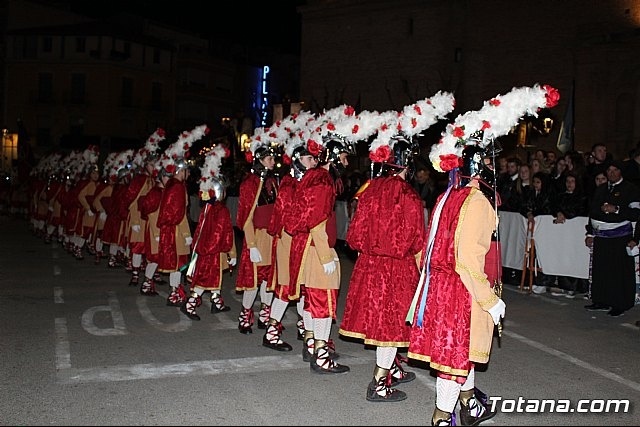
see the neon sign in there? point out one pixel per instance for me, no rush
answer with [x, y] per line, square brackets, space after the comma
[263, 99]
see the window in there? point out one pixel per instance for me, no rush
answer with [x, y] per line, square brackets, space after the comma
[81, 44]
[156, 96]
[78, 85]
[45, 87]
[47, 44]
[127, 92]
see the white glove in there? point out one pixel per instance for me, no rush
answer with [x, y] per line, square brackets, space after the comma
[329, 267]
[633, 251]
[497, 311]
[103, 216]
[254, 255]
[233, 261]
[135, 228]
[188, 240]
[90, 213]
[157, 238]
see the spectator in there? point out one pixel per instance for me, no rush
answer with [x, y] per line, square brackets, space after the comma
[609, 231]
[565, 206]
[506, 182]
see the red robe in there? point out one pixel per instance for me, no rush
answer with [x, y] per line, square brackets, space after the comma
[258, 215]
[149, 205]
[173, 214]
[453, 321]
[112, 231]
[388, 232]
[282, 213]
[213, 236]
[313, 204]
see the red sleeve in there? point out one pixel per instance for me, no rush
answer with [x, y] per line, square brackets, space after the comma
[173, 206]
[150, 202]
[282, 206]
[133, 189]
[248, 190]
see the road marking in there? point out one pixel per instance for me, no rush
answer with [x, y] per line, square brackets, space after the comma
[63, 352]
[574, 360]
[119, 326]
[58, 295]
[197, 368]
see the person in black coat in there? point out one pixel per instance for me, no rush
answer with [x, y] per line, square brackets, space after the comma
[567, 205]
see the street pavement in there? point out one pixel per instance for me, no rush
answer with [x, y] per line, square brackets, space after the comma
[80, 347]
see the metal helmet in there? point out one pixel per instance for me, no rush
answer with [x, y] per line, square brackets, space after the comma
[334, 145]
[259, 154]
[297, 168]
[474, 165]
[181, 163]
[220, 184]
[404, 150]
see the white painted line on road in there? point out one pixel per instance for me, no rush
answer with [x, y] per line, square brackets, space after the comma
[574, 360]
[57, 295]
[197, 368]
[63, 353]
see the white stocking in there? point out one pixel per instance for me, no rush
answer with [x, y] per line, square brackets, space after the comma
[150, 270]
[248, 297]
[265, 296]
[136, 260]
[278, 307]
[174, 279]
[447, 392]
[385, 356]
[471, 381]
[322, 328]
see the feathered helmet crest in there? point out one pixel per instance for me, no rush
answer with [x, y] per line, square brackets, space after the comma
[176, 156]
[212, 182]
[405, 125]
[122, 165]
[494, 119]
[150, 151]
[265, 140]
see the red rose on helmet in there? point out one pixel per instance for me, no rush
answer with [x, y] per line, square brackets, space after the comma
[450, 161]
[381, 154]
[552, 95]
[313, 147]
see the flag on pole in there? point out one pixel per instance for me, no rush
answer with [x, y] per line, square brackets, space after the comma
[565, 137]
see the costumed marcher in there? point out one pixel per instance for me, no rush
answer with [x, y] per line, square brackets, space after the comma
[149, 206]
[314, 262]
[291, 130]
[213, 248]
[611, 212]
[142, 181]
[388, 232]
[257, 195]
[175, 234]
[455, 309]
[113, 233]
[85, 190]
[104, 190]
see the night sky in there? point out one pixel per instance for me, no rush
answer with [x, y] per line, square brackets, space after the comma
[261, 23]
